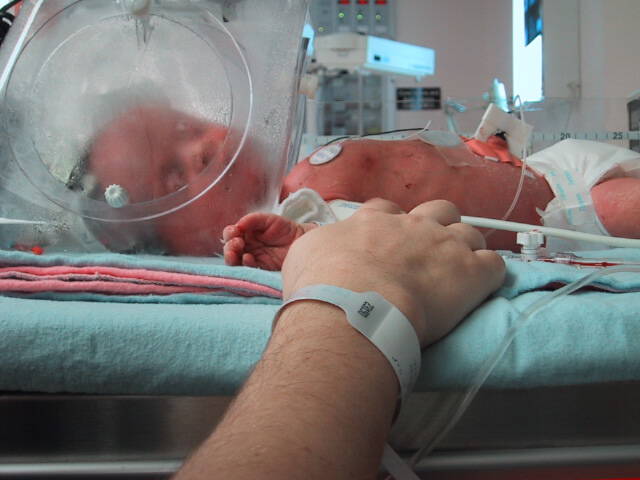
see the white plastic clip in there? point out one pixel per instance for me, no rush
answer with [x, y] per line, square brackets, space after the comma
[531, 243]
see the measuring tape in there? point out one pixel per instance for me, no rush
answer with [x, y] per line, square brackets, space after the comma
[602, 136]
[595, 136]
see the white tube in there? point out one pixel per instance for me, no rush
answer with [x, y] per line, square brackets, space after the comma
[523, 171]
[18, 221]
[551, 232]
[18, 47]
[489, 365]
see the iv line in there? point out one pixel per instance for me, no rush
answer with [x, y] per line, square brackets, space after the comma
[492, 361]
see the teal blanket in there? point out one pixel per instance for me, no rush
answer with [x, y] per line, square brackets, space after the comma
[190, 344]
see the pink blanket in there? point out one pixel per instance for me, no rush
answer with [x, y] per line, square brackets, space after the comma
[123, 281]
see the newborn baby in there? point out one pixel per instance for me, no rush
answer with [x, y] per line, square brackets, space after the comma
[153, 152]
[603, 179]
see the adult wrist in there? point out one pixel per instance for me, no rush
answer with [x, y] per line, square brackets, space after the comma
[313, 328]
[376, 319]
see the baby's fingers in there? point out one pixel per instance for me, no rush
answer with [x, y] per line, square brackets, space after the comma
[229, 232]
[233, 250]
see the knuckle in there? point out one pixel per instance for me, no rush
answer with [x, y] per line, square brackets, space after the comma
[364, 212]
[493, 260]
[446, 205]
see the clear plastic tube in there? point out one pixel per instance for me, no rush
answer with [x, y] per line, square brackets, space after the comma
[491, 362]
[571, 259]
[566, 258]
[523, 171]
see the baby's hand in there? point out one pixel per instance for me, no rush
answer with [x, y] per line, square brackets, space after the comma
[260, 240]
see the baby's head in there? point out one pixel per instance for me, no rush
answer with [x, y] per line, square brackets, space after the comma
[154, 151]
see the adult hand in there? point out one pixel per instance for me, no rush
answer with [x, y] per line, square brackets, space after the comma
[430, 266]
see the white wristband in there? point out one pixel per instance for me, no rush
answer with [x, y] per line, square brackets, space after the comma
[377, 319]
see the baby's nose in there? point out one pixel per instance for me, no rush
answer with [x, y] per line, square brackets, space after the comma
[197, 154]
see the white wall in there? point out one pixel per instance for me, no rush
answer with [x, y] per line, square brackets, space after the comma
[597, 45]
[472, 40]
[561, 48]
[593, 42]
[610, 47]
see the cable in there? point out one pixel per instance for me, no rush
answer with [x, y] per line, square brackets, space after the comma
[419, 129]
[489, 364]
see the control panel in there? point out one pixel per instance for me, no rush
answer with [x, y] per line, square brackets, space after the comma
[372, 17]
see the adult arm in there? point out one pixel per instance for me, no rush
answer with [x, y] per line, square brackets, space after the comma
[320, 402]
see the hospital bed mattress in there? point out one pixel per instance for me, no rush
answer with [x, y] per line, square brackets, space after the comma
[205, 343]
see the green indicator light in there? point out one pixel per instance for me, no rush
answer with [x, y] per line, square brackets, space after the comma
[341, 15]
[360, 16]
[321, 29]
[378, 17]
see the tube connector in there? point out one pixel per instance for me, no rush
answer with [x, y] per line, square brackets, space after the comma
[137, 7]
[116, 196]
[531, 243]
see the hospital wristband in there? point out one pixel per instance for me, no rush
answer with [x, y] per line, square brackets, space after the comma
[378, 320]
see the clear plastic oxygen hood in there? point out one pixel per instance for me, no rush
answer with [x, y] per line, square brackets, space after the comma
[145, 125]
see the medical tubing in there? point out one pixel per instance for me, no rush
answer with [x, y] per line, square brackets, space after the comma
[523, 171]
[13, 58]
[567, 258]
[516, 197]
[551, 232]
[523, 158]
[491, 362]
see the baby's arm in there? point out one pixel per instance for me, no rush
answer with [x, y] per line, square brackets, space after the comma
[617, 203]
[261, 240]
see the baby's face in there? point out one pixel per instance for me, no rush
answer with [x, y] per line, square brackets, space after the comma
[155, 151]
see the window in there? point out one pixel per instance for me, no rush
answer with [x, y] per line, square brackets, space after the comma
[527, 50]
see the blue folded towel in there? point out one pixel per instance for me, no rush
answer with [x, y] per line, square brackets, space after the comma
[586, 337]
[198, 349]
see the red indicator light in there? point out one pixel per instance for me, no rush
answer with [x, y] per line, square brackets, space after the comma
[363, 2]
[381, 2]
[344, 2]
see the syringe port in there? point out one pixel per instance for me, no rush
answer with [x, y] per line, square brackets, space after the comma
[531, 245]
